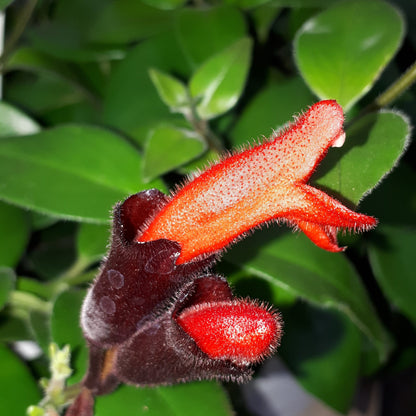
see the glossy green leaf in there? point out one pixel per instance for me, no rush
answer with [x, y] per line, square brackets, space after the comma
[178, 400]
[373, 146]
[326, 279]
[18, 388]
[342, 51]
[394, 264]
[169, 147]
[92, 242]
[172, 91]
[65, 329]
[14, 232]
[13, 122]
[204, 32]
[334, 350]
[7, 280]
[219, 82]
[270, 109]
[72, 172]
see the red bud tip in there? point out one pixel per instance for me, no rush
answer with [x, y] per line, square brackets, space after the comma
[240, 331]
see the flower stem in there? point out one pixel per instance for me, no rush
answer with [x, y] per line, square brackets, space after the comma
[397, 88]
[27, 301]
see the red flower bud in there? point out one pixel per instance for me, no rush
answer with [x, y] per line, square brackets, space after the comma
[257, 185]
[240, 331]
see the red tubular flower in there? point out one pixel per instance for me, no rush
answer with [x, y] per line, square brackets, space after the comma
[156, 314]
[263, 183]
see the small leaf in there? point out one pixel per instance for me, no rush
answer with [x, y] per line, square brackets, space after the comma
[169, 147]
[14, 229]
[394, 263]
[66, 330]
[4, 4]
[334, 348]
[172, 91]
[372, 148]
[219, 82]
[40, 325]
[323, 278]
[7, 281]
[72, 172]
[342, 51]
[178, 400]
[18, 388]
[15, 123]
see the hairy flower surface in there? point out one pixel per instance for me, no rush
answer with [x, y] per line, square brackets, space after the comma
[262, 183]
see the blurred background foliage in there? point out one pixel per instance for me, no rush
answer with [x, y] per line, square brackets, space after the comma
[105, 98]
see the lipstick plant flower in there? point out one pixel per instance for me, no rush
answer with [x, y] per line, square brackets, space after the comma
[157, 313]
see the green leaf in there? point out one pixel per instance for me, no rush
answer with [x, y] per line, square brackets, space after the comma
[4, 4]
[219, 82]
[169, 147]
[7, 282]
[14, 329]
[14, 229]
[65, 330]
[394, 263]
[92, 242]
[202, 33]
[334, 348]
[178, 400]
[18, 388]
[342, 51]
[172, 91]
[270, 109]
[165, 4]
[125, 21]
[72, 172]
[325, 279]
[40, 325]
[131, 102]
[372, 148]
[13, 122]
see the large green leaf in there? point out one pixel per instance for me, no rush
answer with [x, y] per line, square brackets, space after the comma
[342, 51]
[13, 122]
[65, 329]
[169, 147]
[193, 399]
[394, 264]
[334, 348]
[14, 232]
[75, 172]
[326, 279]
[219, 82]
[372, 148]
[270, 109]
[18, 388]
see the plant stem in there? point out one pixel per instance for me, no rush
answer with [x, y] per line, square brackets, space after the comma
[397, 88]
[27, 301]
[17, 31]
